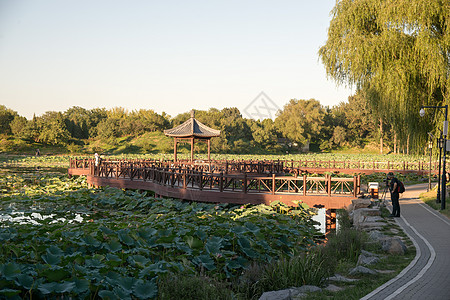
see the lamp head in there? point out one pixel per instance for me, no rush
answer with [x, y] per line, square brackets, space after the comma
[422, 112]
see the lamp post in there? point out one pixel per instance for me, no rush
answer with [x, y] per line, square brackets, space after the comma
[430, 148]
[444, 132]
[439, 141]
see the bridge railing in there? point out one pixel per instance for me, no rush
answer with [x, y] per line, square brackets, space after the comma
[222, 182]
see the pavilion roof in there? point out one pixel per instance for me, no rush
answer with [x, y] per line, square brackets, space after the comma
[192, 128]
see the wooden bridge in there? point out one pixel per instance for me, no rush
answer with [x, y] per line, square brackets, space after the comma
[253, 182]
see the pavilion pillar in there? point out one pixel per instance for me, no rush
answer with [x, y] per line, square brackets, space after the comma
[175, 141]
[209, 149]
[192, 149]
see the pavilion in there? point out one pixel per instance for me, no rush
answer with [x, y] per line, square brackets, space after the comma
[190, 131]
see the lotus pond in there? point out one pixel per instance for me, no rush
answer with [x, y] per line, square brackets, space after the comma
[61, 239]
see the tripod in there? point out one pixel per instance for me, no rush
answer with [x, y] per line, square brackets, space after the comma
[383, 195]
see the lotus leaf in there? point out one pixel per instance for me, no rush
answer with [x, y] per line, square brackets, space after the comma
[10, 270]
[24, 280]
[9, 292]
[205, 261]
[145, 289]
[51, 259]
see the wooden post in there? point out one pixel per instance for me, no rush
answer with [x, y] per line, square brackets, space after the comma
[221, 182]
[245, 183]
[329, 185]
[273, 184]
[209, 151]
[175, 142]
[304, 185]
[201, 180]
[192, 149]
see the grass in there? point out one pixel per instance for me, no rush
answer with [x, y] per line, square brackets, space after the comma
[430, 199]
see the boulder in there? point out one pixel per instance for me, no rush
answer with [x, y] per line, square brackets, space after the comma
[376, 235]
[333, 288]
[393, 245]
[288, 294]
[361, 203]
[340, 278]
[361, 270]
[366, 260]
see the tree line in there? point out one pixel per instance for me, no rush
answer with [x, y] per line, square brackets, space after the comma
[300, 122]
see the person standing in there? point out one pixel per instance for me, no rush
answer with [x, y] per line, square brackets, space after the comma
[395, 195]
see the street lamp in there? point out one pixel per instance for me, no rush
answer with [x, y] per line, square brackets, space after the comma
[444, 131]
[430, 148]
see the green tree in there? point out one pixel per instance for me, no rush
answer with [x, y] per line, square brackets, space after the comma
[6, 117]
[17, 125]
[397, 52]
[52, 129]
[78, 122]
[301, 121]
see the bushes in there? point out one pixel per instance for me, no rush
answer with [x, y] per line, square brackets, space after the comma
[192, 287]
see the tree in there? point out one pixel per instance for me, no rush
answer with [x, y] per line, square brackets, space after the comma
[78, 122]
[301, 121]
[6, 117]
[52, 129]
[17, 125]
[397, 51]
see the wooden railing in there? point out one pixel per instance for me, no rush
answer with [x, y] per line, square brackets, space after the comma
[268, 167]
[222, 182]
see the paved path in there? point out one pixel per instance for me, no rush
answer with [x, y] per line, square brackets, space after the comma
[428, 275]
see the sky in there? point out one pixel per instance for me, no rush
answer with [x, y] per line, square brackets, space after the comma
[169, 56]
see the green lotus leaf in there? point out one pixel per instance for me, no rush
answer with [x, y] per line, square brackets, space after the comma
[64, 287]
[193, 242]
[47, 288]
[139, 260]
[108, 295]
[122, 294]
[93, 263]
[55, 274]
[125, 238]
[9, 292]
[113, 246]
[25, 281]
[10, 270]
[252, 227]
[126, 283]
[205, 261]
[81, 285]
[153, 269]
[239, 230]
[213, 245]
[106, 230]
[55, 250]
[145, 289]
[201, 234]
[51, 259]
[89, 240]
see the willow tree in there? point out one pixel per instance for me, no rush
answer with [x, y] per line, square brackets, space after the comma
[398, 53]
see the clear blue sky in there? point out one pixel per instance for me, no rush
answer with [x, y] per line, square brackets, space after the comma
[167, 56]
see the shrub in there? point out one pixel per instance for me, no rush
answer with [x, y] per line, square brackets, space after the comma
[192, 287]
[306, 269]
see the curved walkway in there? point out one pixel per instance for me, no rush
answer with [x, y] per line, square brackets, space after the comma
[428, 275]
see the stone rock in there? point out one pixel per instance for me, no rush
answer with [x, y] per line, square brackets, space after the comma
[376, 235]
[333, 288]
[393, 245]
[361, 203]
[278, 295]
[340, 278]
[366, 260]
[361, 270]
[309, 288]
[288, 294]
